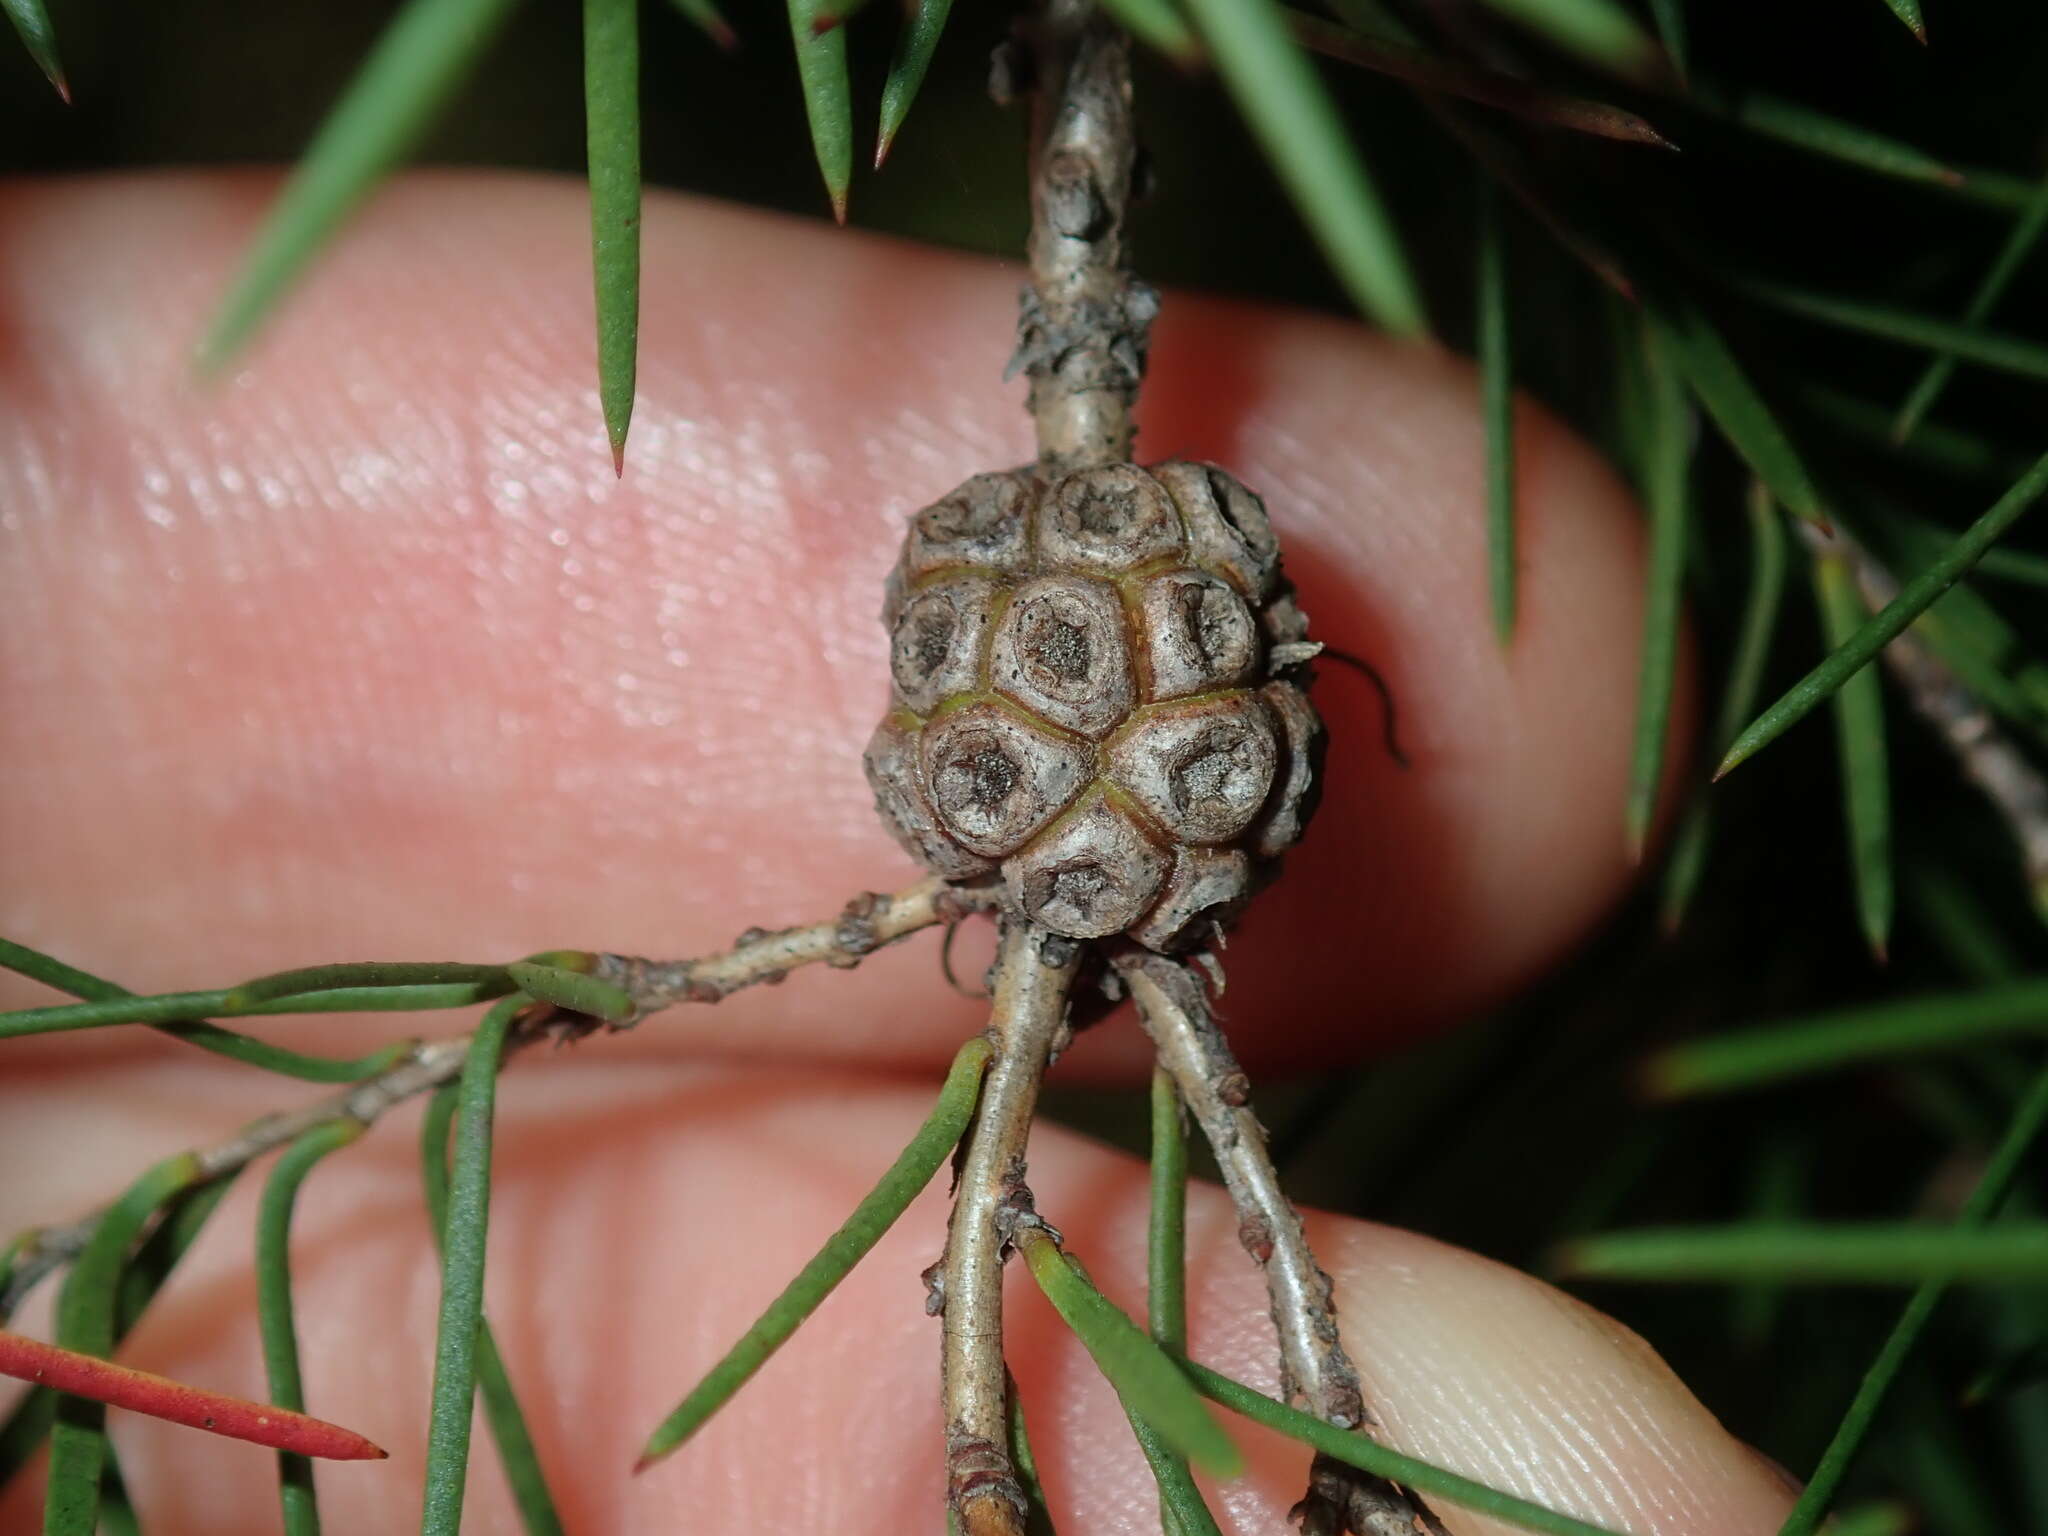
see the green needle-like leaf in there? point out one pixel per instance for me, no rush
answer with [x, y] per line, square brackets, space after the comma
[1166, 1269]
[1381, 50]
[1875, 1520]
[1182, 1510]
[516, 1451]
[2015, 565]
[2008, 354]
[611, 97]
[2000, 1172]
[1914, 598]
[1792, 123]
[1876, 1254]
[1669, 17]
[828, 98]
[1827, 1042]
[117, 1509]
[1598, 31]
[1037, 1513]
[1866, 771]
[176, 1014]
[704, 15]
[208, 1037]
[415, 67]
[274, 1307]
[2019, 244]
[1144, 1377]
[1287, 107]
[1947, 449]
[836, 13]
[1908, 11]
[1356, 1450]
[29, 1424]
[1777, 1189]
[912, 1170]
[1667, 498]
[462, 1275]
[87, 1319]
[572, 990]
[1736, 407]
[1159, 24]
[32, 22]
[1497, 409]
[1745, 677]
[359, 974]
[915, 45]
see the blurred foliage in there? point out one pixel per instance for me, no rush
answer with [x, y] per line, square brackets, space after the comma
[1528, 1127]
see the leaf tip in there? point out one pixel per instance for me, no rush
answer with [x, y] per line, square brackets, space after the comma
[650, 1453]
[839, 206]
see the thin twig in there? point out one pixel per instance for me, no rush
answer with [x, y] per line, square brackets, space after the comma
[2016, 790]
[868, 922]
[1034, 976]
[1084, 321]
[424, 1067]
[763, 958]
[1315, 1372]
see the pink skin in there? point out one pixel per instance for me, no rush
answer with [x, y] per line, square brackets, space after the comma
[365, 653]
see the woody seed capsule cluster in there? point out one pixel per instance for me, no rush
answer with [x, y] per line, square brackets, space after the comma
[1095, 691]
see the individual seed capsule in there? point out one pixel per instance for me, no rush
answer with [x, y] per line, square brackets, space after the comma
[1111, 519]
[1092, 874]
[1207, 887]
[894, 775]
[995, 779]
[1228, 530]
[1203, 771]
[1062, 650]
[1301, 786]
[1196, 633]
[935, 649]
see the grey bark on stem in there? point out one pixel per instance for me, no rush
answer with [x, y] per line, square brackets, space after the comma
[763, 957]
[867, 922]
[1085, 322]
[1987, 755]
[1034, 978]
[1315, 1372]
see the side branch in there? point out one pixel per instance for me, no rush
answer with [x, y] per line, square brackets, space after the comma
[1315, 1372]
[760, 957]
[422, 1068]
[1989, 759]
[1034, 977]
[868, 922]
[1084, 325]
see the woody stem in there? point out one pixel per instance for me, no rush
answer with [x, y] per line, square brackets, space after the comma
[1315, 1372]
[1034, 976]
[1084, 321]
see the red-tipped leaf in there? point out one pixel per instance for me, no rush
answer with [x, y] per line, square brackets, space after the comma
[120, 1386]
